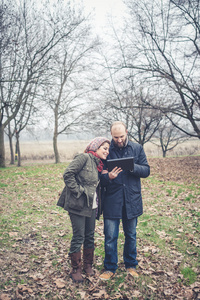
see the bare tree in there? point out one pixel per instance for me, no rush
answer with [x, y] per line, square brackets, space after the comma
[23, 118]
[123, 97]
[5, 40]
[168, 136]
[25, 51]
[66, 86]
[162, 44]
[10, 133]
[142, 121]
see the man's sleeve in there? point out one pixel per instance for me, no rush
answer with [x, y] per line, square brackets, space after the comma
[141, 168]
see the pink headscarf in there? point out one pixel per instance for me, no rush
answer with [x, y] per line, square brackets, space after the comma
[96, 143]
[93, 146]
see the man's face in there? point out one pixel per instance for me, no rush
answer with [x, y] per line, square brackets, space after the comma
[119, 135]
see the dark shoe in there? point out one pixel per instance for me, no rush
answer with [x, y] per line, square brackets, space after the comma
[88, 257]
[76, 267]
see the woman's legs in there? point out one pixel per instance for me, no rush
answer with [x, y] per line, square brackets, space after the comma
[83, 234]
[83, 231]
[89, 231]
[78, 227]
[88, 249]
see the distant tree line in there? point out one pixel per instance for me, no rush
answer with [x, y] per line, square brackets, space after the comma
[52, 66]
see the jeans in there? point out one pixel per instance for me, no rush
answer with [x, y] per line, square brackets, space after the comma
[83, 231]
[111, 231]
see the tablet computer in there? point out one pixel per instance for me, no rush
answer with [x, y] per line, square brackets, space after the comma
[126, 163]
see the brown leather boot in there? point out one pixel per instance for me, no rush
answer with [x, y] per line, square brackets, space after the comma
[76, 267]
[88, 255]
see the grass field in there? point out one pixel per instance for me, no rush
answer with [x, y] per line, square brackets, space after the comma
[42, 151]
[35, 237]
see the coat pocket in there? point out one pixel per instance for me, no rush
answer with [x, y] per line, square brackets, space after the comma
[61, 200]
[77, 203]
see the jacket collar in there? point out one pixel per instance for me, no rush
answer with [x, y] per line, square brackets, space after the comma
[96, 159]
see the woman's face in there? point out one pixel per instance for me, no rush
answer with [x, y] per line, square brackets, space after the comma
[103, 150]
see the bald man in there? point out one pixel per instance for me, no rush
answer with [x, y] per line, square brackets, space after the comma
[122, 200]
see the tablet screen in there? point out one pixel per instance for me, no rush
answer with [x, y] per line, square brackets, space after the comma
[126, 163]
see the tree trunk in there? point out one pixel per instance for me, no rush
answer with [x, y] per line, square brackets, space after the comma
[18, 151]
[12, 158]
[19, 157]
[2, 148]
[55, 148]
[55, 136]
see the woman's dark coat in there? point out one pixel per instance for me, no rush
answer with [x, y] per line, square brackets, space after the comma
[81, 181]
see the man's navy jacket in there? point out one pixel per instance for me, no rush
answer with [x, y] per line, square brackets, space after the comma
[125, 189]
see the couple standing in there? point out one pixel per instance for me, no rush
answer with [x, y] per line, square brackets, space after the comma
[91, 189]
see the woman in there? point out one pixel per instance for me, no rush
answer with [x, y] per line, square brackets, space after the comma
[79, 198]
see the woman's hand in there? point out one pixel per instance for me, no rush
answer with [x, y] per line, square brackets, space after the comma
[114, 173]
[104, 172]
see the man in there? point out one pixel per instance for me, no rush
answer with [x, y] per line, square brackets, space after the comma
[122, 200]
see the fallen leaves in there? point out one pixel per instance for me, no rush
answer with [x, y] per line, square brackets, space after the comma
[178, 169]
[100, 294]
[4, 297]
[82, 295]
[62, 233]
[23, 271]
[35, 264]
[60, 283]
[151, 249]
[37, 276]
[13, 234]
[22, 290]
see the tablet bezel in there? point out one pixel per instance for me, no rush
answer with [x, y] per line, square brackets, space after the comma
[125, 163]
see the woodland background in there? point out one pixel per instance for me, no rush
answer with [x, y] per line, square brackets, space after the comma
[60, 77]
[63, 82]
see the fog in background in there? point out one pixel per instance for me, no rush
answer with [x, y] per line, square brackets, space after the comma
[68, 69]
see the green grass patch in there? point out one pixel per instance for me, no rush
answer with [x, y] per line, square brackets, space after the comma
[35, 237]
[189, 275]
[189, 197]
[2, 185]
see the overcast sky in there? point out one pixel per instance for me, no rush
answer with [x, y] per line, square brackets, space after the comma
[103, 8]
